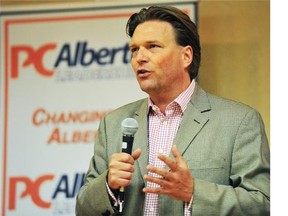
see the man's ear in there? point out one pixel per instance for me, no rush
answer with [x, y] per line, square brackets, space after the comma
[187, 55]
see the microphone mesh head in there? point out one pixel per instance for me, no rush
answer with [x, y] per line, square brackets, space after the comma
[129, 126]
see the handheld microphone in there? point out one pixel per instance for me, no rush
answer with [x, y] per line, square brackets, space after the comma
[129, 127]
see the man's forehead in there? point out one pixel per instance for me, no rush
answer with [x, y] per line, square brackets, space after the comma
[152, 31]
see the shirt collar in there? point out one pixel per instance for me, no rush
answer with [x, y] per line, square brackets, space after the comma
[182, 100]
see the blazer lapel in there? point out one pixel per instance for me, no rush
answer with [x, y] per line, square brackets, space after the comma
[141, 137]
[194, 119]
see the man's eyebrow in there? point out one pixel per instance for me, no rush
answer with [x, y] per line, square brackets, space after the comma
[146, 42]
[152, 41]
[132, 46]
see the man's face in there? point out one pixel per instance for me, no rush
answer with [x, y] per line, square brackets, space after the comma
[159, 63]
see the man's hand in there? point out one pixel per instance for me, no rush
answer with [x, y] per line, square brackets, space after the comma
[121, 168]
[177, 183]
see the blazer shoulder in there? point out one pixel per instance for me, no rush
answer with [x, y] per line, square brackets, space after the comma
[206, 101]
[225, 103]
[230, 109]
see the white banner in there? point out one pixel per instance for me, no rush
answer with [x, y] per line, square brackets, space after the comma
[62, 70]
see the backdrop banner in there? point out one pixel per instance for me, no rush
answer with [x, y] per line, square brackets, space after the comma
[62, 70]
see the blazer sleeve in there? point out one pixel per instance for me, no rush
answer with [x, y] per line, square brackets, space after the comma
[249, 189]
[93, 198]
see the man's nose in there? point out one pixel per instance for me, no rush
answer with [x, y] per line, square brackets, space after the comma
[142, 55]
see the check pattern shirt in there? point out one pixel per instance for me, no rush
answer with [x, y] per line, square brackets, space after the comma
[162, 131]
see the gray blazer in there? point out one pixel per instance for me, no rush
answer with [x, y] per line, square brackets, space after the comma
[222, 141]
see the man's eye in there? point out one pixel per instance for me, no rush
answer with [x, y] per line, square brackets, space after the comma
[133, 50]
[153, 46]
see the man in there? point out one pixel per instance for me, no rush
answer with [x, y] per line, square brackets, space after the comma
[194, 153]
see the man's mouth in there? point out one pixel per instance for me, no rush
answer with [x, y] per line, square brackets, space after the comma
[143, 72]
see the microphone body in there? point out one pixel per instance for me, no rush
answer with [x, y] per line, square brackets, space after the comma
[129, 127]
[127, 143]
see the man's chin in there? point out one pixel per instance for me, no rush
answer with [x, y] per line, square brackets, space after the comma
[146, 88]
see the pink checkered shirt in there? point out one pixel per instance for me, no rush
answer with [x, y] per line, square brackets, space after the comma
[162, 130]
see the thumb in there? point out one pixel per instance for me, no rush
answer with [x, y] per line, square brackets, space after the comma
[136, 154]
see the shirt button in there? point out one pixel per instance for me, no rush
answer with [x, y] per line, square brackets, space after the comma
[151, 209]
[164, 122]
[161, 151]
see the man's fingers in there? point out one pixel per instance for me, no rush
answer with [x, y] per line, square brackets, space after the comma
[136, 154]
[163, 187]
[177, 155]
[121, 168]
[168, 161]
[161, 172]
[160, 181]
[173, 164]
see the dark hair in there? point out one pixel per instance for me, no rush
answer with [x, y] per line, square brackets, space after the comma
[185, 30]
